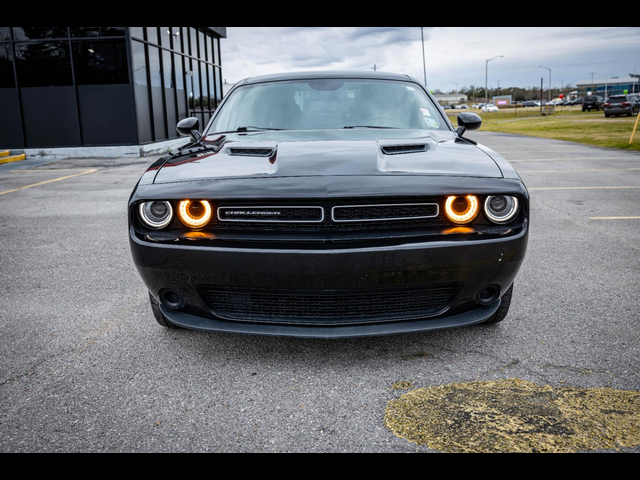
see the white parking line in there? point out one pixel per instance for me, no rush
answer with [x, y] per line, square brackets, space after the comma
[582, 171]
[582, 188]
[48, 181]
[615, 218]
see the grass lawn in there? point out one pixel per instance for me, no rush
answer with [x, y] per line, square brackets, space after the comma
[570, 125]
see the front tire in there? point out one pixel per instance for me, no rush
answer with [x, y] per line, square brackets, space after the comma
[160, 318]
[502, 313]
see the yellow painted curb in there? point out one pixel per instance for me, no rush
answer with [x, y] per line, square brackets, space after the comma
[4, 153]
[15, 158]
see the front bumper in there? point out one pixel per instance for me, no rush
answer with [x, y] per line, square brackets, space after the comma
[470, 265]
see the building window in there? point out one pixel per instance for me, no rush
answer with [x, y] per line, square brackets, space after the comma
[7, 79]
[177, 38]
[152, 35]
[43, 64]
[5, 33]
[179, 71]
[100, 62]
[154, 67]
[139, 64]
[39, 33]
[137, 32]
[91, 32]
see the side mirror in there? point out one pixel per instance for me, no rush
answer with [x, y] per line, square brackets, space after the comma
[468, 122]
[190, 127]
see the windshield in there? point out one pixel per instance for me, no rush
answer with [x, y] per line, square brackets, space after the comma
[328, 104]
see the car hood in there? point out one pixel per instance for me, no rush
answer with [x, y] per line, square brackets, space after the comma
[331, 153]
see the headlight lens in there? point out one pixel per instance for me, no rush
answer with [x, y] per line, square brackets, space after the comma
[462, 210]
[195, 214]
[156, 215]
[502, 209]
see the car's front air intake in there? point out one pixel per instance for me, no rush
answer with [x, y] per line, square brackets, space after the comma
[329, 306]
[252, 152]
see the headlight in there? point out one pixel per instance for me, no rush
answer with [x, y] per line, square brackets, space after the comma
[195, 214]
[156, 215]
[462, 210]
[502, 209]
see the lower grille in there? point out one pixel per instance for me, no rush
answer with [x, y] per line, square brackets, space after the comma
[335, 307]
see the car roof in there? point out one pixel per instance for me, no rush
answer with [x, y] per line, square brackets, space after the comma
[327, 75]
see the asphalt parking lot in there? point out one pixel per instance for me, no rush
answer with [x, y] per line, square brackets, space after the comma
[86, 368]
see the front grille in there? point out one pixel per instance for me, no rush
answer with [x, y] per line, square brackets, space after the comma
[377, 213]
[330, 215]
[248, 214]
[334, 307]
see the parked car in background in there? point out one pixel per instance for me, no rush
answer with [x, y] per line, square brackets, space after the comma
[463, 107]
[447, 107]
[490, 109]
[593, 102]
[531, 103]
[627, 105]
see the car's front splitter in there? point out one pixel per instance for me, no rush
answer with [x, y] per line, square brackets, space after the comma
[468, 319]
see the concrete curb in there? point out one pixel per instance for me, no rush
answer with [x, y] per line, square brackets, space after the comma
[129, 151]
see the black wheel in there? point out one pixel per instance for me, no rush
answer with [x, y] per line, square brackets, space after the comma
[607, 115]
[160, 318]
[504, 309]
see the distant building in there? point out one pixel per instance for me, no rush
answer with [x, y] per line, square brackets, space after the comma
[607, 87]
[503, 101]
[451, 99]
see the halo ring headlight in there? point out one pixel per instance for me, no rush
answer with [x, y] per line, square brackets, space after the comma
[195, 214]
[156, 215]
[501, 209]
[462, 210]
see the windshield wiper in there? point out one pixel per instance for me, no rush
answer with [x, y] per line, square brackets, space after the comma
[246, 129]
[370, 126]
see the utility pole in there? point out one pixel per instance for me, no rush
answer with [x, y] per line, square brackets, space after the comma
[593, 83]
[549, 84]
[486, 85]
[424, 59]
[456, 87]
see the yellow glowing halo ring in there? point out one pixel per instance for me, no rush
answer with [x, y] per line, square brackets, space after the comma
[189, 220]
[465, 217]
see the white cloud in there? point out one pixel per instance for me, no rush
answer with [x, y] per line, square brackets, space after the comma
[454, 54]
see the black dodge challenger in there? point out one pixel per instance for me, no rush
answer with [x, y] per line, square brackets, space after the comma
[329, 205]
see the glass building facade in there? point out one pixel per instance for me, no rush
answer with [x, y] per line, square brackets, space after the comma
[100, 86]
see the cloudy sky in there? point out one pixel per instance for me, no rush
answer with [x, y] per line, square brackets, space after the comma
[454, 54]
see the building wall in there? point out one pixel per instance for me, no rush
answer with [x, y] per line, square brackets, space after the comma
[177, 74]
[103, 86]
[65, 86]
[611, 88]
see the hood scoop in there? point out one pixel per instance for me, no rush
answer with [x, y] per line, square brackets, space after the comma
[405, 149]
[252, 152]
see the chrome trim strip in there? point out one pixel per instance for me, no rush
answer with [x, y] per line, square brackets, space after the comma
[333, 212]
[220, 209]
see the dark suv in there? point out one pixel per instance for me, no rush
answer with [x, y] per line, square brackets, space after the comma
[627, 105]
[593, 102]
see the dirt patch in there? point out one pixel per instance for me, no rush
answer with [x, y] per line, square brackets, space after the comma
[516, 416]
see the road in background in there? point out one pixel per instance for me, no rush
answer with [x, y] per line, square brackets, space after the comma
[85, 367]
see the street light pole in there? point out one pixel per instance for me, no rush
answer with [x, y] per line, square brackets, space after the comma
[424, 58]
[593, 84]
[486, 85]
[549, 83]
